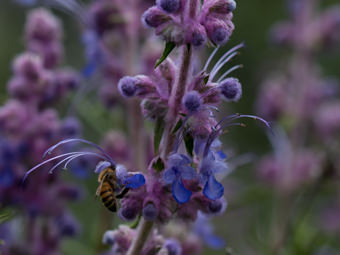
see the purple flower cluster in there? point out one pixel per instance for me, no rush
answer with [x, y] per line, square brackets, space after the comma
[305, 107]
[186, 22]
[182, 179]
[301, 99]
[28, 126]
[36, 80]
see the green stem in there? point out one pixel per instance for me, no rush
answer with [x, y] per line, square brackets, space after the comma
[143, 231]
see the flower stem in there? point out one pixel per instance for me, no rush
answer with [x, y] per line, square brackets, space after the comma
[143, 231]
[177, 93]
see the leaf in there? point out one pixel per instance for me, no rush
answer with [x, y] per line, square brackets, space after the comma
[178, 126]
[158, 165]
[6, 215]
[206, 79]
[189, 143]
[135, 224]
[159, 128]
[169, 46]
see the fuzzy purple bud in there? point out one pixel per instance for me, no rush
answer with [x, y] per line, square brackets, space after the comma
[219, 31]
[192, 101]
[51, 53]
[169, 6]
[217, 206]
[155, 17]
[28, 65]
[42, 26]
[222, 6]
[150, 212]
[128, 213]
[231, 89]
[109, 237]
[127, 86]
[196, 35]
[173, 247]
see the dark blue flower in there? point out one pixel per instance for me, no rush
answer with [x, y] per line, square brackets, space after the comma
[210, 165]
[131, 180]
[178, 171]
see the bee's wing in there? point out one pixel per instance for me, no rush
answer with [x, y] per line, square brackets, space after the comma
[100, 186]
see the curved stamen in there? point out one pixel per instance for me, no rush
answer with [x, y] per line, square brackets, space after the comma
[214, 134]
[232, 50]
[210, 58]
[233, 117]
[52, 148]
[229, 117]
[83, 154]
[61, 162]
[76, 155]
[45, 162]
[217, 68]
[221, 79]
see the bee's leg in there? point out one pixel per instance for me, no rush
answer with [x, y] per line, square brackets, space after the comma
[113, 206]
[123, 193]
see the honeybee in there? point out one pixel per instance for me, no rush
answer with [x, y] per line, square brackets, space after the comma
[107, 188]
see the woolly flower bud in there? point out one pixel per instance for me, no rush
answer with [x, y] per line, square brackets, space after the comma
[42, 26]
[173, 247]
[150, 212]
[218, 30]
[217, 206]
[127, 86]
[169, 6]
[196, 35]
[28, 65]
[51, 53]
[109, 237]
[19, 88]
[231, 89]
[128, 213]
[154, 17]
[222, 6]
[192, 101]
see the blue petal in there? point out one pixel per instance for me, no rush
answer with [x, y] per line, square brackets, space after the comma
[221, 154]
[213, 189]
[219, 166]
[169, 175]
[180, 193]
[214, 241]
[135, 181]
[178, 160]
[89, 69]
[187, 172]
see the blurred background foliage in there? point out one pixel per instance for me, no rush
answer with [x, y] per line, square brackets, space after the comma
[251, 204]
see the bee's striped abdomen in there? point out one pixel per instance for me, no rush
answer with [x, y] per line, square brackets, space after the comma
[108, 197]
